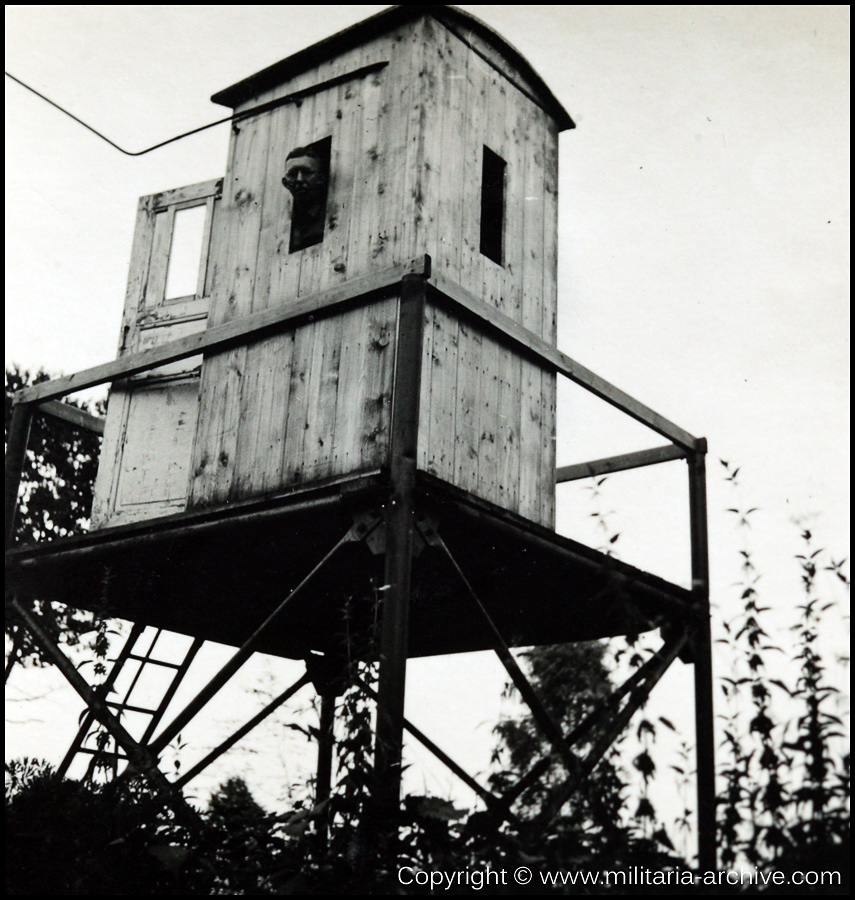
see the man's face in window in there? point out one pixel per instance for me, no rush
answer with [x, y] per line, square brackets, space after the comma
[304, 177]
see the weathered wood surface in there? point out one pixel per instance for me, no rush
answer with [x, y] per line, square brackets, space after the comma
[489, 423]
[294, 419]
[68, 413]
[151, 420]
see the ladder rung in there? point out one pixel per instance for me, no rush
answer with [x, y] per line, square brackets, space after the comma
[154, 662]
[94, 752]
[126, 707]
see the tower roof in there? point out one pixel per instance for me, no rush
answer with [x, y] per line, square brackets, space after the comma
[460, 22]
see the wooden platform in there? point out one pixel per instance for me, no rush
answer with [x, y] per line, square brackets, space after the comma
[217, 574]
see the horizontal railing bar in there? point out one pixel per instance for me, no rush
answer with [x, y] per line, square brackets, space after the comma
[127, 707]
[94, 751]
[620, 463]
[359, 290]
[219, 337]
[72, 414]
[154, 662]
[448, 290]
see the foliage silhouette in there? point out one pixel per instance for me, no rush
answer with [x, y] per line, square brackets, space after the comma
[55, 501]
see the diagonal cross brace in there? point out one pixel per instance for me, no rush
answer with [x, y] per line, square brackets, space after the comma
[142, 758]
[638, 697]
[547, 723]
[243, 731]
[489, 798]
[609, 705]
[357, 532]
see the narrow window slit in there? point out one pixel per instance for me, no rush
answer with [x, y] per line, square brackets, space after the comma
[492, 206]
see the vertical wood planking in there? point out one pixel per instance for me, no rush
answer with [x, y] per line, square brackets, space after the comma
[372, 203]
[387, 237]
[378, 325]
[531, 421]
[549, 309]
[280, 271]
[381, 341]
[510, 371]
[361, 195]
[220, 395]
[322, 384]
[492, 278]
[435, 101]
[293, 467]
[439, 412]
[346, 114]
[470, 338]
[266, 384]
[412, 111]
[389, 242]
[111, 444]
[359, 419]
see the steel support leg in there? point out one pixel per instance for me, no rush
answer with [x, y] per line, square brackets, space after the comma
[16, 457]
[400, 524]
[323, 781]
[702, 645]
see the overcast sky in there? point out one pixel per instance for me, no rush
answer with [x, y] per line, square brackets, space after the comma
[703, 227]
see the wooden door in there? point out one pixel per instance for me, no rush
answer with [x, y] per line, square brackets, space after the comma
[151, 418]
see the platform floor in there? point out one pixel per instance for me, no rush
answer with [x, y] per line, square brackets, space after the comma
[217, 574]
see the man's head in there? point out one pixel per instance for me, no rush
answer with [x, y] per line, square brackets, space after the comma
[305, 173]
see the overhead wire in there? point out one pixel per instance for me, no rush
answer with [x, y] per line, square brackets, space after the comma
[103, 137]
[295, 97]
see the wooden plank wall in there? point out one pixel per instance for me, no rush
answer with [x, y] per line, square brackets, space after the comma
[313, 403]
[490, 419]
[405, 180]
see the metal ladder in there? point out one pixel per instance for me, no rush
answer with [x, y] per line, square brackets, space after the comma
[91, 740]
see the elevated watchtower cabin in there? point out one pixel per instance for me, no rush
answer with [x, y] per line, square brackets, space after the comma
[365, 334]
[438, 141]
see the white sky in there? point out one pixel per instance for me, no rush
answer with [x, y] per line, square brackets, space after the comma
[703, 256]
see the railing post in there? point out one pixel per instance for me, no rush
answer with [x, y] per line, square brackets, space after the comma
[16, 455]
[702, 646]
[323, 782]
[400, 525]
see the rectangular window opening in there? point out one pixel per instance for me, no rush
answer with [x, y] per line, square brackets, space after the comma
[185, 252]
[309, 206]
[492, 206]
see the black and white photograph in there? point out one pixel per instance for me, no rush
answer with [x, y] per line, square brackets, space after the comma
[427, 450]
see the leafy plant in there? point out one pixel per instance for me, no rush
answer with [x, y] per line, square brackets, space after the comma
[55, 501]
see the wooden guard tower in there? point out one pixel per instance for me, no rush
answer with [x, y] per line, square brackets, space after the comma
[354, 404]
